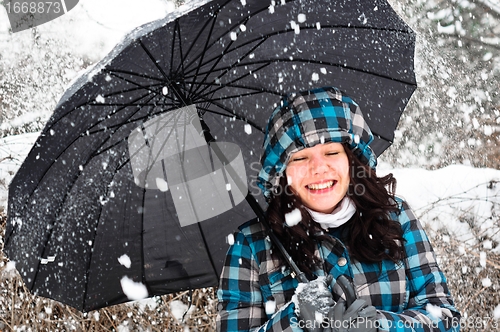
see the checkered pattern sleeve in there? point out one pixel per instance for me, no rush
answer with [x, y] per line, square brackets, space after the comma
[241, 305]
[430, 306]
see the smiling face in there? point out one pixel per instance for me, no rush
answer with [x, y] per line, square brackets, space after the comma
[319, 176]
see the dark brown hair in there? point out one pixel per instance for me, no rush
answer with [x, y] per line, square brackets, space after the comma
[372, 235]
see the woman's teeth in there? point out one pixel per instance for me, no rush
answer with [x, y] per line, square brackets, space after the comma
[319, 186]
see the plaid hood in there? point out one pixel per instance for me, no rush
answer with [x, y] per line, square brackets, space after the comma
[308, 118]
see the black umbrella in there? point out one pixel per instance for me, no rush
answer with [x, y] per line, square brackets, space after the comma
[143, 169]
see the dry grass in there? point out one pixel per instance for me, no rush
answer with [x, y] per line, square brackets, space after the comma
[24, 312]
[21, 311]
[473, 281]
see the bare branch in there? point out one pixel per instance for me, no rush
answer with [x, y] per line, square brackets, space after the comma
[491, 6]
[472, 40]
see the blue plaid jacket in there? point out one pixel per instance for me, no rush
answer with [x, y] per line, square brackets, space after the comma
[255, 278]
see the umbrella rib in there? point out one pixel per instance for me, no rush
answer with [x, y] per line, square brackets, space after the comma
[137, 88]
[205, 49]
[209, 254]
[237, 23]
[199, 226]
[267, 36]
[232, 66]
[172, 52]
[149, 115]
[148, 53]
[114, 127]
[214, 14]
[122, 107]
[390, 141]
[280, 60]
[313, 62]
[91, 103]
[178, 33]
[286, 31]
[128, 159]
[230, 84]
[119, 142]
[253, 124]
[145, 103]
[129, 104]
[121, 71]
[250, 122]
[143, 274]
[220, 57]
[167, 79]
[255, 92]
[177, 39]
[217, 59]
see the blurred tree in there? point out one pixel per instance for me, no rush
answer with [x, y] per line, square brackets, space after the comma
[32, 82]
[458, 68]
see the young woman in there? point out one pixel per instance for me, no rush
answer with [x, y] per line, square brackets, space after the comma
[336, 218]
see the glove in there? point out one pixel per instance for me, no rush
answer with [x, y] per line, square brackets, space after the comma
[314, 303]
[359, 317]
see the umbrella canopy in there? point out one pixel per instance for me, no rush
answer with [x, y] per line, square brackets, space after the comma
[143, 169]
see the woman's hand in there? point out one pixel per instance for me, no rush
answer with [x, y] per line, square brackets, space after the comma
[314, 303]
[359, 317]
[319, 312]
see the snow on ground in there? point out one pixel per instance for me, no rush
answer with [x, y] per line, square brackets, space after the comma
[461, 199]
[13, 150]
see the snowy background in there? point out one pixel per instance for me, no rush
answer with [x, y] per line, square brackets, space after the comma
[446, 155]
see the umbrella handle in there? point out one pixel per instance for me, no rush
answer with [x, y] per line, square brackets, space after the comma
[347, 287]
[301, 277]
[253, 204]
[298, 273]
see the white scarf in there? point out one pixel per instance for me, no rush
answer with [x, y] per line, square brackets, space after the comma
[338, 217]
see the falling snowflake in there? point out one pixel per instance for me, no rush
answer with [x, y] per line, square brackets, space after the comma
[99, 99]
[293, 218]
[133, 290]
[248, 129]
[230, 239]
[161, 184]
[270, 307]
[125, 261]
